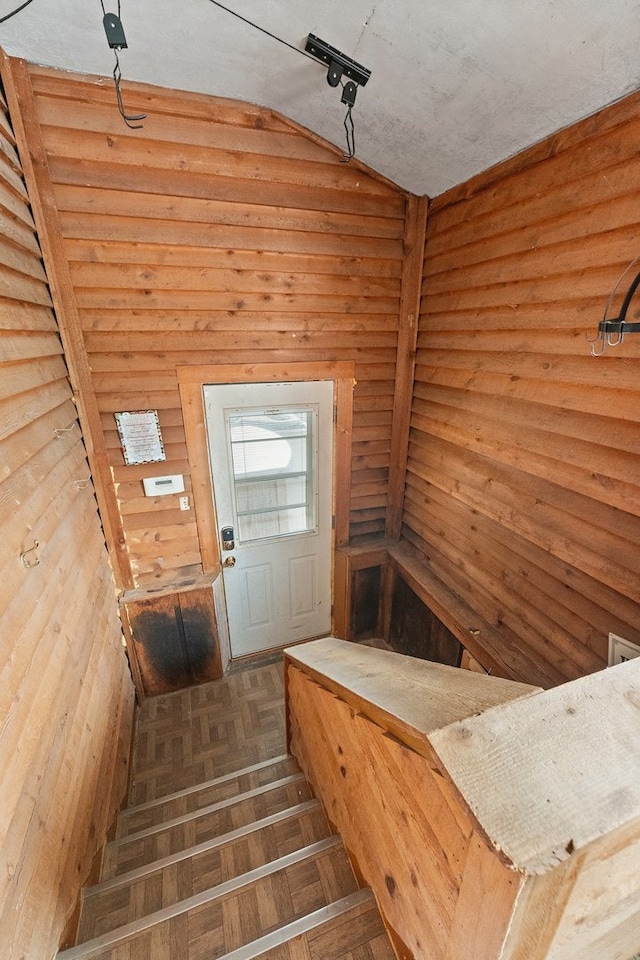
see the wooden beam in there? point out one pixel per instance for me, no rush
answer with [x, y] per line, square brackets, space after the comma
[196, 436]
[20, 96]
[407, 697]
[343, 441]
[415, 230]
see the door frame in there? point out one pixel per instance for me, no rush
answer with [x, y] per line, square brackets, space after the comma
[191, 380]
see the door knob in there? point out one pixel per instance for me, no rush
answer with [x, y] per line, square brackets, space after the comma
[229, 562]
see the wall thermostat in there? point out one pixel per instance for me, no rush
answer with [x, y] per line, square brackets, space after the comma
[159, 486]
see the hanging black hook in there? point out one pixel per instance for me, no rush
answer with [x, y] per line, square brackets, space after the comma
[349, 91]
[129, 119]
[612, 332]
[351, 137]
[117, 41]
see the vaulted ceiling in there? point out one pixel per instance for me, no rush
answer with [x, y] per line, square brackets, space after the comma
[455, 86]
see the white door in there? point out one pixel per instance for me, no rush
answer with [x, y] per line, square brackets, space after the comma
[271, 454]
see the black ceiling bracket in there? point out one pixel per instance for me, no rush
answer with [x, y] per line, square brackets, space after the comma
[349, 91]
[114, 31]
[334, 74]
[339, 64]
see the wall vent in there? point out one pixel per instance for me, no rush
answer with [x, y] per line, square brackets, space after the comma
[621, 650]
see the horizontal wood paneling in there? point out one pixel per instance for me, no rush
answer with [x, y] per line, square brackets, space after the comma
[218, 233]
[524, 480]
[66, 697]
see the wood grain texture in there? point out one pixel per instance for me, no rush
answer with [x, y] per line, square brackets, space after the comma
[438, 882]
[523, 488]
[37, 174]
[174, 639]
[245, 241]
[407, 697]
[201, 733]
[585, 735]
[572, 822]
[66, 697]
[510, 834]
[108, 906]
[407, 340]
[226, 916]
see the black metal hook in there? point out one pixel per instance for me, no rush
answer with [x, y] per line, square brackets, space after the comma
[351, 137]
[612, 332]
[129, 119]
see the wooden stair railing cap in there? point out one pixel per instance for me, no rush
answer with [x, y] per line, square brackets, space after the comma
[408, 697]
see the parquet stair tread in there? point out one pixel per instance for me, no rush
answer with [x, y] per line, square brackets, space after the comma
[248, 906]
[223, 854]
[197, 796]
[186, 873]
[163, 839]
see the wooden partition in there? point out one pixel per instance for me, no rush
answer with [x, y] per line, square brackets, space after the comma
[491, 819]
[217, 233]
[66, 697]
[523, 488]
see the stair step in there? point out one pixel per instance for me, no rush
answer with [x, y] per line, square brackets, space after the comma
[203, 731]
[199, 795]
[128, 897]
[334, 932]
[161, 840]
[234, 913]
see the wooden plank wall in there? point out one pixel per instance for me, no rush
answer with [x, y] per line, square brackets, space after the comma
[217, 233]
[524, 477]
[66, 697]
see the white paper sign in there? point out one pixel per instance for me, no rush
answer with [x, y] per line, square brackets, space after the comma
[140, 436]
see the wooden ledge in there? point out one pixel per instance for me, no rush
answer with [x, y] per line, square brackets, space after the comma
[572, 755]
[370, 554]
[167, 588]
[407, 697]
[485, 642]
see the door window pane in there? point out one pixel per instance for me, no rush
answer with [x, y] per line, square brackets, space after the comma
[272, 456]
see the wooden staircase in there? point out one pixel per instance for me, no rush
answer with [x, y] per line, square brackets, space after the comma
[241, 865]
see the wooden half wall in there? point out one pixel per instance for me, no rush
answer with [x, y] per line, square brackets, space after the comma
[219, 233]
[492, 820]
[66, 696]
[523, 488]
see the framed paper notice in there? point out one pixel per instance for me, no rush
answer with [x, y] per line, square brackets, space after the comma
[140, 437]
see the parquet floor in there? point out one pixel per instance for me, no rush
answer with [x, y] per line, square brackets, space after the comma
[223, 852]
[203, 732]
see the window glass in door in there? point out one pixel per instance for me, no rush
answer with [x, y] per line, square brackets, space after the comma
[274, 470]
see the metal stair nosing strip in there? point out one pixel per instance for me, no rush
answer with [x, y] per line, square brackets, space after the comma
[126, 932]
[205, 785]
[213, 843]
[203, 811]
[297, 928]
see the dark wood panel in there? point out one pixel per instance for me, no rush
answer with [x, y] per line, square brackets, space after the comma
[175, 640]
[366, 601]
[416, 631]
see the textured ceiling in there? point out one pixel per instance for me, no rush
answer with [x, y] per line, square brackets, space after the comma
[456, 86]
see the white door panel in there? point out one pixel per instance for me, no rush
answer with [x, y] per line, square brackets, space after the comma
[270, 448]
